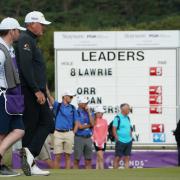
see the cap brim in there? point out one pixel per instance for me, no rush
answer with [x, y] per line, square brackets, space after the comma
[69, 95]
[83, 102]
[2, 28]
[72, 95]
[46, 22]
[100, 112]
[21, 28]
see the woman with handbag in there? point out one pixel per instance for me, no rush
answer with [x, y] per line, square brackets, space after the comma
[11, 100]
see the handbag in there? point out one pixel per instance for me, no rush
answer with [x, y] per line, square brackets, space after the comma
[14, 101]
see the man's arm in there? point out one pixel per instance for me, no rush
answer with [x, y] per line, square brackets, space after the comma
[86, 126]
[114, 128]
[115, 133]
[49, 96]
[90, 118]
[76, 127]
[25, 57]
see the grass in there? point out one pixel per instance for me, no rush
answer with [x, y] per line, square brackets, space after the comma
[7, 159]
[131, 174]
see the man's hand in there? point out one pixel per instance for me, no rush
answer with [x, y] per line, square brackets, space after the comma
[40, 97]
[90, 116]
[87, 109]
[115, 133]
[84, 126]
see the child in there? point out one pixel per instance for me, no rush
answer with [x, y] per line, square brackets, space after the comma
[100, 132]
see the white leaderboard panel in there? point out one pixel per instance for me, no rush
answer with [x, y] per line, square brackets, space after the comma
[145, 76]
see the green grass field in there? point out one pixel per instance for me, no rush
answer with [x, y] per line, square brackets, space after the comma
[131, 174]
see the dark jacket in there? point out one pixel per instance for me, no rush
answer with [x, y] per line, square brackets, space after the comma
[30, 61]
[177, 133]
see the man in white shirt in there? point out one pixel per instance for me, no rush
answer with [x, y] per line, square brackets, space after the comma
[11, 127]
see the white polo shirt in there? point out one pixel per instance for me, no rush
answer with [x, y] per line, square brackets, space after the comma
[3, 82]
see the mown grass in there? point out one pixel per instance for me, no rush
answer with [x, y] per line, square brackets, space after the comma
[121, 174]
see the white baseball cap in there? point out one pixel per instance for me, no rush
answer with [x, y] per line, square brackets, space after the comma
[99, 109]
[36, 16]
[68, 93]
[10, 23]
[82, 99]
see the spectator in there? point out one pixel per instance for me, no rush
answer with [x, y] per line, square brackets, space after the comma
[122, 131]
[82, 140]
[45, 154]
[100, 132]
[38, 119]
[177, 137]
[66, 124]
[11, 126]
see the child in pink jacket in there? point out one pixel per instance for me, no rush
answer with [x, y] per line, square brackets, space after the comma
[99, 137]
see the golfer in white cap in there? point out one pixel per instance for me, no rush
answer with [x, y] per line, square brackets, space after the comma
[37, 117]
[11, 127]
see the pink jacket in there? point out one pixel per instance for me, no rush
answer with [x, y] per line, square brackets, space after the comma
[100, 132]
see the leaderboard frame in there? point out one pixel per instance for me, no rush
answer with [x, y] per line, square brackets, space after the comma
[131, 48]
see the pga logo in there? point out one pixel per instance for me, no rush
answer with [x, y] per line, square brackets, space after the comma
[155, 90]
[155, 110]
[157, 128]
[155, 71]
[155, 100]
[159, 137]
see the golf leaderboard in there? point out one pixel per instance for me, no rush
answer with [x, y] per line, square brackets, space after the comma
[138, 67]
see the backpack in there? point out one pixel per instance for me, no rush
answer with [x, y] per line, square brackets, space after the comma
[59, 109]
[110, 128]
[177, 133]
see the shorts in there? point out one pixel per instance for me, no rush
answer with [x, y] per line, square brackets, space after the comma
[123, 149]
[45, 153]
[9, 122]
[63, 142]
[82, 147]
[99, 148]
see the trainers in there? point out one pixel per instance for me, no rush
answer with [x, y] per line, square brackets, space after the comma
[27, 160]
[36, 171]
[7, 172]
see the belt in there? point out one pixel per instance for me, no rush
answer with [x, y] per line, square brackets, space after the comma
[63, 130]
[2, 88]
[86, 136]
